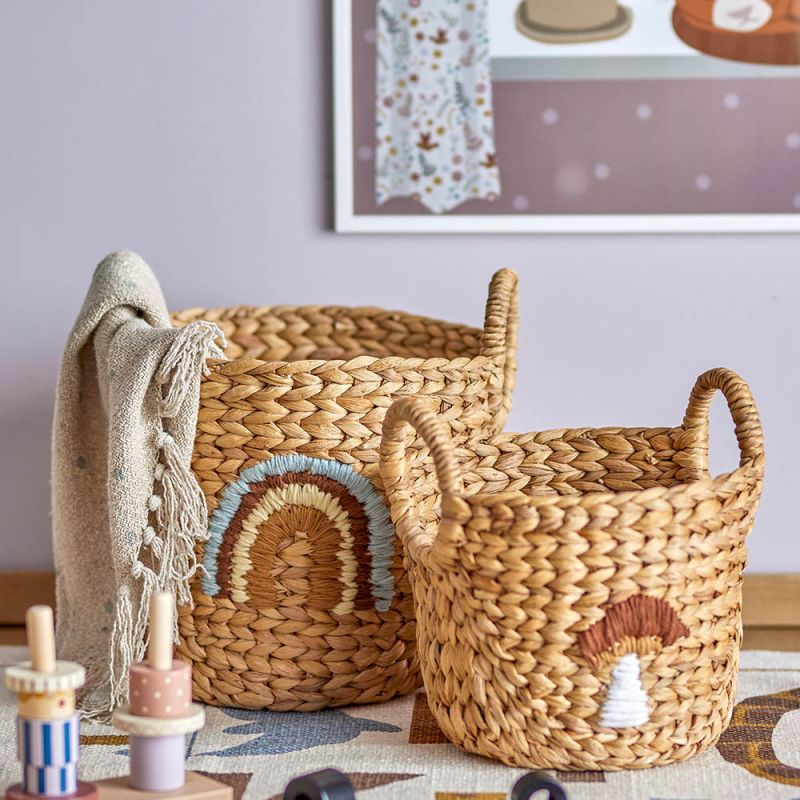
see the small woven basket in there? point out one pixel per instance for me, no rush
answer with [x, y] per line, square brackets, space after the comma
[579, 603]
[304, 602]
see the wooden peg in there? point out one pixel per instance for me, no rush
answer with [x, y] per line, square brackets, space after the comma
[159, 652]
[41, 639]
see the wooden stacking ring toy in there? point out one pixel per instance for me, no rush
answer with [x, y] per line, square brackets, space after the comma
[157, 720]
[48, 735]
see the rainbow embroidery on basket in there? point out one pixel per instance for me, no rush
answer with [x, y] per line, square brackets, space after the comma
[301, 531]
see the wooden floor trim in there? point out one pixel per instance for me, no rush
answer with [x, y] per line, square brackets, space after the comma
[771, 602]
[20, 590]
[787, 639]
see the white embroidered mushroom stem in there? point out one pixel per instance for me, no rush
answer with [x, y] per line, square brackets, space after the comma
[640, 624]
[626, 703]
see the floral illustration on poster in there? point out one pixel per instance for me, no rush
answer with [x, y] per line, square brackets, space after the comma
[434, 127]
[540, 115]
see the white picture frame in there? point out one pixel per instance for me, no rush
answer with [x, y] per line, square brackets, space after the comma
[346, 220]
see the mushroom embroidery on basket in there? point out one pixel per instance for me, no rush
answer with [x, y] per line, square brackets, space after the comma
[301, 531]
[641, 624]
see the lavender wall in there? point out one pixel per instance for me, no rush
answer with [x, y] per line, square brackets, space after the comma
[197, 133]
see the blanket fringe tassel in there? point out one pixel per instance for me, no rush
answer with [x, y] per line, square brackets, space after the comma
[178, 514]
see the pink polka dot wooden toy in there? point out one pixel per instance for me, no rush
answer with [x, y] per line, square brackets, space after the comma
[157, 720]
[48, 724]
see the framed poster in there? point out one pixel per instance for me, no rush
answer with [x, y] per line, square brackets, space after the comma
[567, 115]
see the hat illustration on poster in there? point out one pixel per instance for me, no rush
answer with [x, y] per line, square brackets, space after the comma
[572, 21]
[755, 31]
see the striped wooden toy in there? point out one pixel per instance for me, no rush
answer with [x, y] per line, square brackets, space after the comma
[48, 727]
[49, 751]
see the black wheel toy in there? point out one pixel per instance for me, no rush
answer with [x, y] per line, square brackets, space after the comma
[327, 784]
[532, 783]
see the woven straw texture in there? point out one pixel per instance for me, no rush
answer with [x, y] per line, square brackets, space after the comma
[304, 602]
[558, 555]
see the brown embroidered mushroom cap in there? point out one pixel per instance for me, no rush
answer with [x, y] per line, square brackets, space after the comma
[639, 624]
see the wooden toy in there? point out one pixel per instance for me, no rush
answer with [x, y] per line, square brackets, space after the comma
[157, 720]
[48, 736]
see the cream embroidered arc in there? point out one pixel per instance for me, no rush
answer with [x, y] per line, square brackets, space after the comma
[641, 624]
[295, 529]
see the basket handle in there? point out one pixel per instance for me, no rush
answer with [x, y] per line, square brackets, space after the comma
[421, 415]
[500, 329]
[742, 407]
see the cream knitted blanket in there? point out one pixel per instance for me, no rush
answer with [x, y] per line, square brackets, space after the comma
[127, 511]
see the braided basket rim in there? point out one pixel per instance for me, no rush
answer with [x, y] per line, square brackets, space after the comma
[185, 316]
[360, 362]
[688, 486]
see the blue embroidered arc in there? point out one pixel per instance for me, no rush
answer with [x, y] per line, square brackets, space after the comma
[379, 525]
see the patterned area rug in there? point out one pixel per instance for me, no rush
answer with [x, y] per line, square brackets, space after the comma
[395, 750]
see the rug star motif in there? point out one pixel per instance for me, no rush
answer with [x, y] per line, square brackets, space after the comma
[279, 732]
[238, 781]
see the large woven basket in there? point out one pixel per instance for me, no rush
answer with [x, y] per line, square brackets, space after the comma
[304, 602]
[579, 603]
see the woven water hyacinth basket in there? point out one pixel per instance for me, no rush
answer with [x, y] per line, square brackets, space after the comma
[579, 602]
[304, 603]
